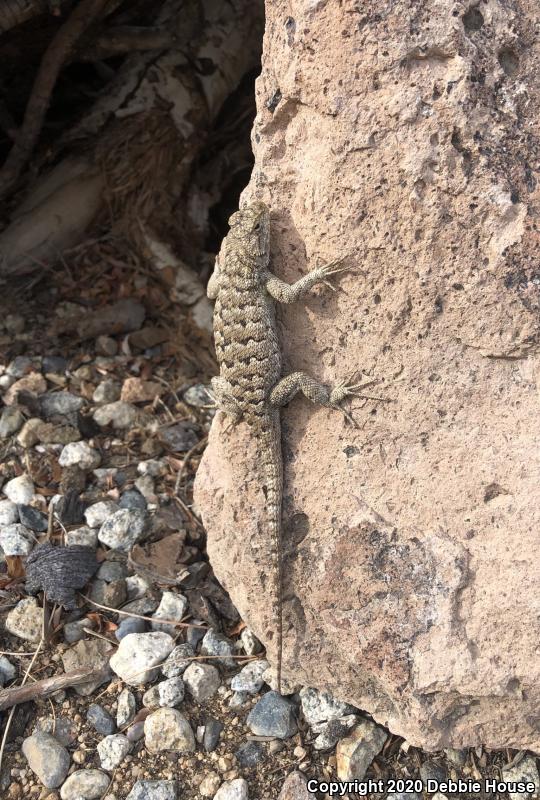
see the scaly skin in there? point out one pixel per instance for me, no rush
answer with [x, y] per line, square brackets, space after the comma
[250, 386]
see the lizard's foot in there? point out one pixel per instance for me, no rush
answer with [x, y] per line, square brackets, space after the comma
[347, 388]
[333, 268]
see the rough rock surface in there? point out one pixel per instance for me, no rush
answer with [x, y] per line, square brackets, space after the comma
[408, 140]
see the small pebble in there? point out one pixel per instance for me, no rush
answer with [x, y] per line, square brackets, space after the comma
[16, 540]
[138, 653]
[11, 420]
[98, 513]
[249, 679]
[112, 750]
[83, 536]
[272, 715]
[153, 790]
[60, 404]
[178, 661]
[87, 784]
[132, 498]
[233, 790]
[100, 720]
[119, 414]
[26, 620]
[129, 625]
[251, 753]
[202, 681]
[47, 758]
[212, 732]
[216, 644]
[124, 528]
[126, 708]
[108, 391]
[8, 513]
[166, 694]
[168, 730]
[32, 518]
[172, 607]
[79, 454]
[20, 490]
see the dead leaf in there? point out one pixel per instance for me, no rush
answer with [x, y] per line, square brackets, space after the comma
[15, 567]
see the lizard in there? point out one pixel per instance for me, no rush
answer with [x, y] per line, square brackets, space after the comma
[250, 386]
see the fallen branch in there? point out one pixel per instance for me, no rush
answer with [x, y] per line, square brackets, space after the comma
[21, 694]
[54, 58]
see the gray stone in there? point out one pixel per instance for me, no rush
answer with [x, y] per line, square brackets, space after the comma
[20, 489]
[54, 365]
[112, 750]
[233, 790]
[129, 625]
[75, 631]
[178, 661]
[295, 788]
[153, 790]
[216, 644]
[85, 784]
[132, 498]
[8, 512]
[355, 753]
[250, 679]
[137, 586]
[180, 437]
[26, 620]
[172, 607]
[330, 732]
[46, 758]
[98, 513]
[143, 605]
[119, 414]
[124, 529]
[83, 536]
[202, 681]
[251, 753]
[108, 594]
[8, 671]
[138, 655]
[198, 396]
[212, 732]
[250, 643]
[16, 540]
[272, 715]
[126, 708]
[81, 455]
[106, 345]
[100, 719]
[321, 706]
[33, 518]
[28, 436]
[168, 730]
[136, 731]
[21, 365]
[60, 404]
[165, 694]
[63, 729]
[11, 420]
[108, 391]
[111, 571]
[525, 771]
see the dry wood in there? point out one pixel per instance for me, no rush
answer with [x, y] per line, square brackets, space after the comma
[21, 694]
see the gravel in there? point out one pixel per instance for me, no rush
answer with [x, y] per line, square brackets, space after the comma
[112, 750]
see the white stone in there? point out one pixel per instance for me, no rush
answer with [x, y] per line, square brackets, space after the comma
[16, 540]
[83, 536]
[233, 790]
[202, 681]
[112, 750]
[96, 514]
[8, 512]
[138, 653]
[79, 454]
[20, 490]
[85, 784]
[172, 607]
[167, 729]
[26, 620]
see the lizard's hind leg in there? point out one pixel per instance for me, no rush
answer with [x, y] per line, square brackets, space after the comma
[225, 401]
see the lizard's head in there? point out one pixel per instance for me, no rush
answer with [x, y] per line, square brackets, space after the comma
[250, 227]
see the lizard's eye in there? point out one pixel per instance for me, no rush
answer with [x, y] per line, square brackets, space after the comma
[257, 227]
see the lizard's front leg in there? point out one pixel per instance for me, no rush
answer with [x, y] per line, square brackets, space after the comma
[289, 293]
[330, 397]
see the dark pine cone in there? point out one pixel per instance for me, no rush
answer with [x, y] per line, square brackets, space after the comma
[58, 571]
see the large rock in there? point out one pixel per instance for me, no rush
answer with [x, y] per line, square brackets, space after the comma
[403, 141]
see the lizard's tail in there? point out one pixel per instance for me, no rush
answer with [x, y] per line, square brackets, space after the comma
[273, 475]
